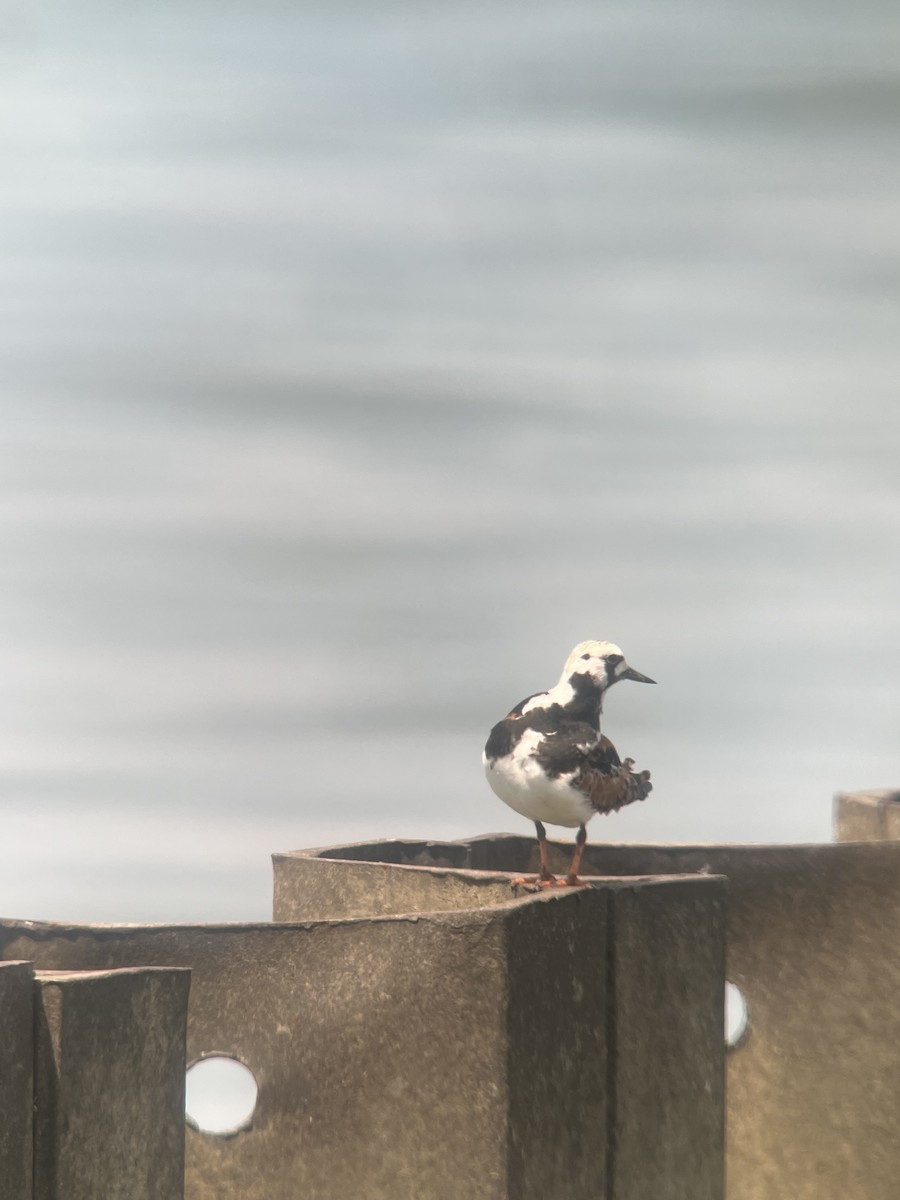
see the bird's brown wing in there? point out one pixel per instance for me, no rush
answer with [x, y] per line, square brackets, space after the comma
[610, 783]
[592, 763]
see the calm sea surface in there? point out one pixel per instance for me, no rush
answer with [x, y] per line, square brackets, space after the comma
[358, 360]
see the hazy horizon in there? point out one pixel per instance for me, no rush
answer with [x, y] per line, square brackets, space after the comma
[360, 360]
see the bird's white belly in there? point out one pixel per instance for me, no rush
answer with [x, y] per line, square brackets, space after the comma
[520, 782]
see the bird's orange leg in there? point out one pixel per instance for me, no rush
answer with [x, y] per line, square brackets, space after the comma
[545, 876]
[572, 879]
[545, 879]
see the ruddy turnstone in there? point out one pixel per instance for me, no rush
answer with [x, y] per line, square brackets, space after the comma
[548, 760]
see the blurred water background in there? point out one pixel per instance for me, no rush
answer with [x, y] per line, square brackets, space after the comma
[359, 359]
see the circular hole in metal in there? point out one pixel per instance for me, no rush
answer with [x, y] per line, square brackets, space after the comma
[220, 1095]
[736, 1015]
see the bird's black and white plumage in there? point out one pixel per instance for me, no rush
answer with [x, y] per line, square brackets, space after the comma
[548, 760]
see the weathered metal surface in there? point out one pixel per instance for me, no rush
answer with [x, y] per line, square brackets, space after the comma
[309, 888]
[16, 1079]
[665, 974]
[448, 1056]
[867, 816]
[667, 964]
[109, 1054]
[814, 945]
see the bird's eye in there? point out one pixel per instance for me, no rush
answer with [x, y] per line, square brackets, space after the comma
[585, 656]
[614, 659]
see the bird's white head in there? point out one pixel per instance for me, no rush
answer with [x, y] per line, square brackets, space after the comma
[603, 662]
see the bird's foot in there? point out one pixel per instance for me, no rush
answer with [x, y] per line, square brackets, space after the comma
[537, 883]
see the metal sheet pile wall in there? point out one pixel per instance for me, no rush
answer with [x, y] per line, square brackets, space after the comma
[474, 1053]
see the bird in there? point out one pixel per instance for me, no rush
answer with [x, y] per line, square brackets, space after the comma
[548, 760]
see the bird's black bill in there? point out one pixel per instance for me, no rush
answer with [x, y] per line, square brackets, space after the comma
[630, 673]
